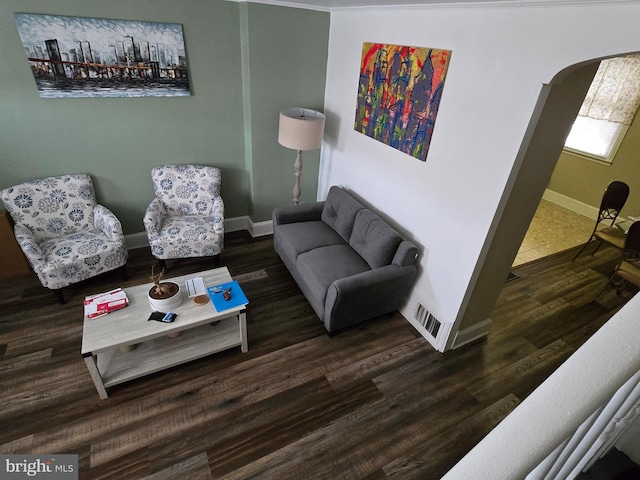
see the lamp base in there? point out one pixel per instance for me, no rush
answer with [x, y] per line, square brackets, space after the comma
[298, 169]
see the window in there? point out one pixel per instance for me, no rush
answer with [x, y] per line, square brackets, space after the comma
[608, 109]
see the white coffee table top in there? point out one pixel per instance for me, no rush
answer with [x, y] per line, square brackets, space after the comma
[130, 325]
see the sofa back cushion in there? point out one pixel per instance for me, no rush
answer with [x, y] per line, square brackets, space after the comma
[187, 189]
[340, 211]
[374, 239]
[54, 206]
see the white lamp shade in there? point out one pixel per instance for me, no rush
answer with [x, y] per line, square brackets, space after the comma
[301, 128]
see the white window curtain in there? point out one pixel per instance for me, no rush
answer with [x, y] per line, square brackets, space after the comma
[614, 94]
[608, 109]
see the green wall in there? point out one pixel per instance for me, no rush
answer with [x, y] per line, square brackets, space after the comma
[284, 72]
[585, 180]
[119, 140]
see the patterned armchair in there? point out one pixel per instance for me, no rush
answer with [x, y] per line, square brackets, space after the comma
[66, 236]
[186, 219]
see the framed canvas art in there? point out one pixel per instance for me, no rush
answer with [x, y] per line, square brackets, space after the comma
[92, 57]
[399, 94]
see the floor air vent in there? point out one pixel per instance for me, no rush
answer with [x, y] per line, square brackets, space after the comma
[511, 277]
[430, 323]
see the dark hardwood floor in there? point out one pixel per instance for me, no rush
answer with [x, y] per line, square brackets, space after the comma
[375, 401]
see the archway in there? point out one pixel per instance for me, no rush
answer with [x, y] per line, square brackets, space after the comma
[555, 111]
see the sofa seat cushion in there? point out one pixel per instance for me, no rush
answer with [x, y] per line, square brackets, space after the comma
[322, 266]
[374, 239]
[297, 238]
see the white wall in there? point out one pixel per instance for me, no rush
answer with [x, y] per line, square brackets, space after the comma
[501, 57]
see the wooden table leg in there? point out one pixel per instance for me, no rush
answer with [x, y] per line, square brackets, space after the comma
[90, 360]
[242, 317]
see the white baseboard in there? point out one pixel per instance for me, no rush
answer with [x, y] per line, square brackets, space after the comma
[136, 240]
[571, 204]
[235, 224]
[471, 334]
[260, 229]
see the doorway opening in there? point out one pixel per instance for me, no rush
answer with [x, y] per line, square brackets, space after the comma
[553, 229]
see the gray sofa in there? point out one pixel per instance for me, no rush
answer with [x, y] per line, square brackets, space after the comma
[349, 263]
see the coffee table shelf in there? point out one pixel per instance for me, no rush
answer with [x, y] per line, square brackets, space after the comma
[157, 354]
[202, 331]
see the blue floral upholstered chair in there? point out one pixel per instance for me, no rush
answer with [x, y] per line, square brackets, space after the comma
[66, 236]
[186, 219]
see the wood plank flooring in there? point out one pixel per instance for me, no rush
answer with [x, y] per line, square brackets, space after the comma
[373, 402]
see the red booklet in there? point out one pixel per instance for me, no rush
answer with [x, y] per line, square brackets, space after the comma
[103, 303]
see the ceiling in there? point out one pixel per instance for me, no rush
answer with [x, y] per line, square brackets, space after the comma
[328, 5]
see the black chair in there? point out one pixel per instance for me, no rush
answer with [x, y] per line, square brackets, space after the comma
[613, 200]
[628, 269]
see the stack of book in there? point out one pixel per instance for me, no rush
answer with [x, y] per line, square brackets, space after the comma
[103, 303]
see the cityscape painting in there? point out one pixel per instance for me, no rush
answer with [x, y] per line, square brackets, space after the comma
[91, 57]
[399, 94]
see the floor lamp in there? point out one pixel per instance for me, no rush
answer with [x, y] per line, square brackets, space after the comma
[300, 129]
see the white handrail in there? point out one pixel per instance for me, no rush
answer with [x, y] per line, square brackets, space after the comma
[559, 406]
[595, 437]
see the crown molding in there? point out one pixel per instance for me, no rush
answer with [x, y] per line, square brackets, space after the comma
[412, 4]
[279, 3]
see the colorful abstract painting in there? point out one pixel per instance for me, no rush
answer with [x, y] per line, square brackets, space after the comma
[399, 94]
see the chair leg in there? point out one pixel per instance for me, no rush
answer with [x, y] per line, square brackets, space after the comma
[123, 273]
[620, 287]
[583, 247]
[59, 296]
[216, 261]
[600, 292]
[581, 250]
[163, 264]
[609, 282]
[597, 248]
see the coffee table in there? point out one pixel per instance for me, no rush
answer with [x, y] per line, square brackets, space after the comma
[204, 331]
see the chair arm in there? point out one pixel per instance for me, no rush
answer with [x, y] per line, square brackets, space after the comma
[367, 295]
[218, 215]
[29, 246]
[154, 217]
[303, 212]
[106, 221]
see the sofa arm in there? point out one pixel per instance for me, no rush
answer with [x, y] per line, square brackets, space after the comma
[367, 295]
[406, 254]
[304, 212]
[154, 217]
[29, 246]
[107, 222]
